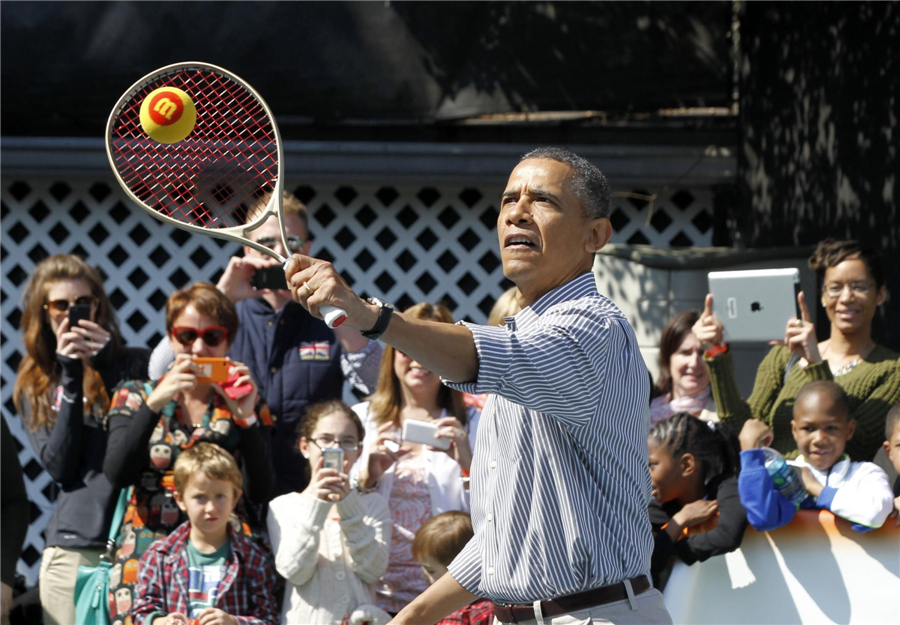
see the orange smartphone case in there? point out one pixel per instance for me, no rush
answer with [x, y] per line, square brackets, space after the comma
[212, 369]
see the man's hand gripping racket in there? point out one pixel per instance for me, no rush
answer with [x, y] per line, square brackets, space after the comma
[225, 178]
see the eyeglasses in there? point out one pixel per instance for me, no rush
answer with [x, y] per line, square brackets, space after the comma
[212, 336]
[61, 306]
[835, 290]
[326, 442]
[295, 243]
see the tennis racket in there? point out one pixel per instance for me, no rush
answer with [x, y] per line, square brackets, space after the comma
[225, 179]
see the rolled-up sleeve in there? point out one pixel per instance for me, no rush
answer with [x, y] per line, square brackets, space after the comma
[466, 567]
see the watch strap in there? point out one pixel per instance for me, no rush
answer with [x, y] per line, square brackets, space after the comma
[384, 318]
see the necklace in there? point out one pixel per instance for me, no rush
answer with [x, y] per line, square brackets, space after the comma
[845, 368]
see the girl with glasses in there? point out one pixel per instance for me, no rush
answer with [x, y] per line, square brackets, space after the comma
[853, 287]
[151, 422]
[62, 392]
[331, 542]
[418, 482]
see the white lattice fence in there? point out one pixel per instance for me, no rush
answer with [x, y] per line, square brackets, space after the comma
[405, 243]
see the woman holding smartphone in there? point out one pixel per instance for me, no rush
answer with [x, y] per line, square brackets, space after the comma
[74, 358]
[853, 287]
[418, 481]
[150, 422]
[331, 542]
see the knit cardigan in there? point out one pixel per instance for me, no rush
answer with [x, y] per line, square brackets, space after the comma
[872, 387]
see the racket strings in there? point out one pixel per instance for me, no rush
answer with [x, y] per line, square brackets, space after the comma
[222, 174]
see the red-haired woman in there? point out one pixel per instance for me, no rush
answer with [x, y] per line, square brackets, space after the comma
[151, 422]
[62, 393]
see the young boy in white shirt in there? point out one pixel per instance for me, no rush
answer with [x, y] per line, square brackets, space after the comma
[856, 491]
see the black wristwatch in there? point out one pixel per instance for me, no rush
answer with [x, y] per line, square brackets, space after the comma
[384, 318]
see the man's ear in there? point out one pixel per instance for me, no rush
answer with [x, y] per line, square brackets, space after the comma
[599, 232]
[237, 497]
[306, 245]
[687, 464]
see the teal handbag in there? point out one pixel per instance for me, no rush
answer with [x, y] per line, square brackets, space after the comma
[92, 583]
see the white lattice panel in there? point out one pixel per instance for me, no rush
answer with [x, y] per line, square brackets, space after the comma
[401, 242]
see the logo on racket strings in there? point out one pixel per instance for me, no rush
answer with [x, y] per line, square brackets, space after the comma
[166, 108]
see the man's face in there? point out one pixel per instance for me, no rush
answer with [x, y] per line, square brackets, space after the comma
[545, 240]
[293, 226]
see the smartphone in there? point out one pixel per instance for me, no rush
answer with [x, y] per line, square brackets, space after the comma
[77, 313]
[423, 432]
[269, 278]
[334, 459]
[212, 369]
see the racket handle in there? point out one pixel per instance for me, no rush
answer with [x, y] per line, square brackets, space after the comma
[333, 315]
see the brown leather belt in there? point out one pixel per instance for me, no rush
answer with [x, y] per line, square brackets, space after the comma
[521, 613]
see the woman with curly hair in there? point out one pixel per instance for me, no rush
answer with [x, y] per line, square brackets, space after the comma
[853, 287]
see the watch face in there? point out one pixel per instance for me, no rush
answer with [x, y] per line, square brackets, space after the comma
[377, 302]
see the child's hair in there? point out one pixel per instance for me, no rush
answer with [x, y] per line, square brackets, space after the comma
[442, 537]
[323, 409]
[832, 390]
[712, 444]
[206, 458]
[506, 306]
[891, 422]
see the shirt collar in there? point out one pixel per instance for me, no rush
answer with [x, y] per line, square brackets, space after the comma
[582, 286]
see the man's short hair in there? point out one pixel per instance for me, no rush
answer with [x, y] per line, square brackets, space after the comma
[206, 458]
[891, 422]
[290, 205]
[293, 206]
[442, 537]
[588, 182]
[829, 389]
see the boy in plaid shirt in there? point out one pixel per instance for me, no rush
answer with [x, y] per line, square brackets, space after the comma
[205, 572]
[437, 542]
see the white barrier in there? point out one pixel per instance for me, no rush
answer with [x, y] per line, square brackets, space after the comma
[814, 570]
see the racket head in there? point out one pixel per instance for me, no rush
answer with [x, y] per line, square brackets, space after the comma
[225, 179]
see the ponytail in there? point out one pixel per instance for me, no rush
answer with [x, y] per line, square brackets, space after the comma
[714, 445]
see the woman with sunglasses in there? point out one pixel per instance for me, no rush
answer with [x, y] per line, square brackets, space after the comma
[331, 542]
[418, 481]
[151, 422]
[853, 287]
[62, 392]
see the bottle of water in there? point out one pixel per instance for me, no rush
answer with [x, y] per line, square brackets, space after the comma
[784, 478]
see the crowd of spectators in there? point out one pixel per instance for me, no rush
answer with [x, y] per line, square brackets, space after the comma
[227, 483]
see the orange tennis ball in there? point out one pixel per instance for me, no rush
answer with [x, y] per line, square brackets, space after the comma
[168, 115]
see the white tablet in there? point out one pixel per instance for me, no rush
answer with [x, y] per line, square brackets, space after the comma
[755, 305]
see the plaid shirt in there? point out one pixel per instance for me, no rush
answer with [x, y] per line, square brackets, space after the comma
[480, 612]
[246, 591]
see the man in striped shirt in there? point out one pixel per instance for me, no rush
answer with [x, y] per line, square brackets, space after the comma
[560, 481]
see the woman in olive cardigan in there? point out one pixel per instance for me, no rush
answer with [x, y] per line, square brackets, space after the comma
[853, 287]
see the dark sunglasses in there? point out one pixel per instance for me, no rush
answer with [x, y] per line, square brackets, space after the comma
[212, 336]
[295, 243]
[62, 305]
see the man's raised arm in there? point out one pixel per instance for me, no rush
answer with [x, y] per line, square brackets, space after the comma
[445, 349]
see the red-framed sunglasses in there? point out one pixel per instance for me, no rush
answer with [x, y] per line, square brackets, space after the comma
[212, 335]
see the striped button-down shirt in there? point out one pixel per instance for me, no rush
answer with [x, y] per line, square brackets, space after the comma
[560, 480]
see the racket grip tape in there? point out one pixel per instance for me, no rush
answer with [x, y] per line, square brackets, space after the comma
[333, 315]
